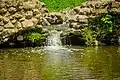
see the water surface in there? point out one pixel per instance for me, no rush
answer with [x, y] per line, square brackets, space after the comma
[81, 63]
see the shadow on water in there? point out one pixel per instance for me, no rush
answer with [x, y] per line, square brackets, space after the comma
[83, 63]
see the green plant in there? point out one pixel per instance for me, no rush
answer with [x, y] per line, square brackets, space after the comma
[89, 36]
[34, 37]
[107, 23]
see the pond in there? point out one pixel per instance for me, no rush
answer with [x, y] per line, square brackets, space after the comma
[77, 63]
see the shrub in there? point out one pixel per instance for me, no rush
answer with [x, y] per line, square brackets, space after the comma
[89, 36]
[34, 37]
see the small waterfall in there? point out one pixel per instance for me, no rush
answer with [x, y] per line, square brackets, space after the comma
[53, 43]
[54, 39]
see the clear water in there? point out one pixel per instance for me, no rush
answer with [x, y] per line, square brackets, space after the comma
[83, 63]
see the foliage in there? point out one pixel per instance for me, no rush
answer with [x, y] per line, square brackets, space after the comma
[34, 36]
[56, 5]
[108, 26]
[89, 36]
[105, 27]
[107, 23]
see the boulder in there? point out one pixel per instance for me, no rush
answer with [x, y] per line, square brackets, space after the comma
[22, 19]
[2, 23]
[36, 11]
[1, 18]
[2, 5]
[5, 20]
[18, 25]
[45, 22]
[3, 11]
[28, 5]
[35, 21]
[20, 38]
[13, 21]
[7, 14]
[29, 15]
[12, 10]
[27, 23]
[44, 10]
[38, 16]
[1, 28]
[17, 16]
[9, 25]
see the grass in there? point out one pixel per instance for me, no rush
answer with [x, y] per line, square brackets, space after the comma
[57, 5]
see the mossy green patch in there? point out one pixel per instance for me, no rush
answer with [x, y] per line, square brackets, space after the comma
[56, 5]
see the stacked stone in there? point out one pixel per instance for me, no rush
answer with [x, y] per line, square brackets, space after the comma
[79, 17]
[18, 15]
[52, 18]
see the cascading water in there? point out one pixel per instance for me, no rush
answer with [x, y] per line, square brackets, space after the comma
[53, 42]
[54, 39]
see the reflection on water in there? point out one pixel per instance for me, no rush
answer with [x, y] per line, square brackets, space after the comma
[84, 63]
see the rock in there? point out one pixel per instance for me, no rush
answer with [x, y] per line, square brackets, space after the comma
[55, 18]
[71, 18]
[28, 6]
[22, 19]
[81, 17]
[18, 25]
[2, 5]
[7, 14]
[28, 14]
[1, 28]
[83, 21]
[39, 26]
[20, 7]
[73, 25]
[12, 10]
[50, 20]
[77, 32]
[11, 44]
[3, 11]
[115, 5]
[13, 21]
[42, 4]
[9, 25]
[1, 18]
[45, 31]
[27, 23]
[45, 22]
[5, 40]
[11, 17]
[17, 16]
[35, 21]
[36, 11]
[5, 20]
[44, 10]
[76, 9]
[38, 16]
[9, 31]
[20, 38]
[2, 23]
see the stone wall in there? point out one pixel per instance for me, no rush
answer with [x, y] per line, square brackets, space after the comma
[79, 16]
[17, 15]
